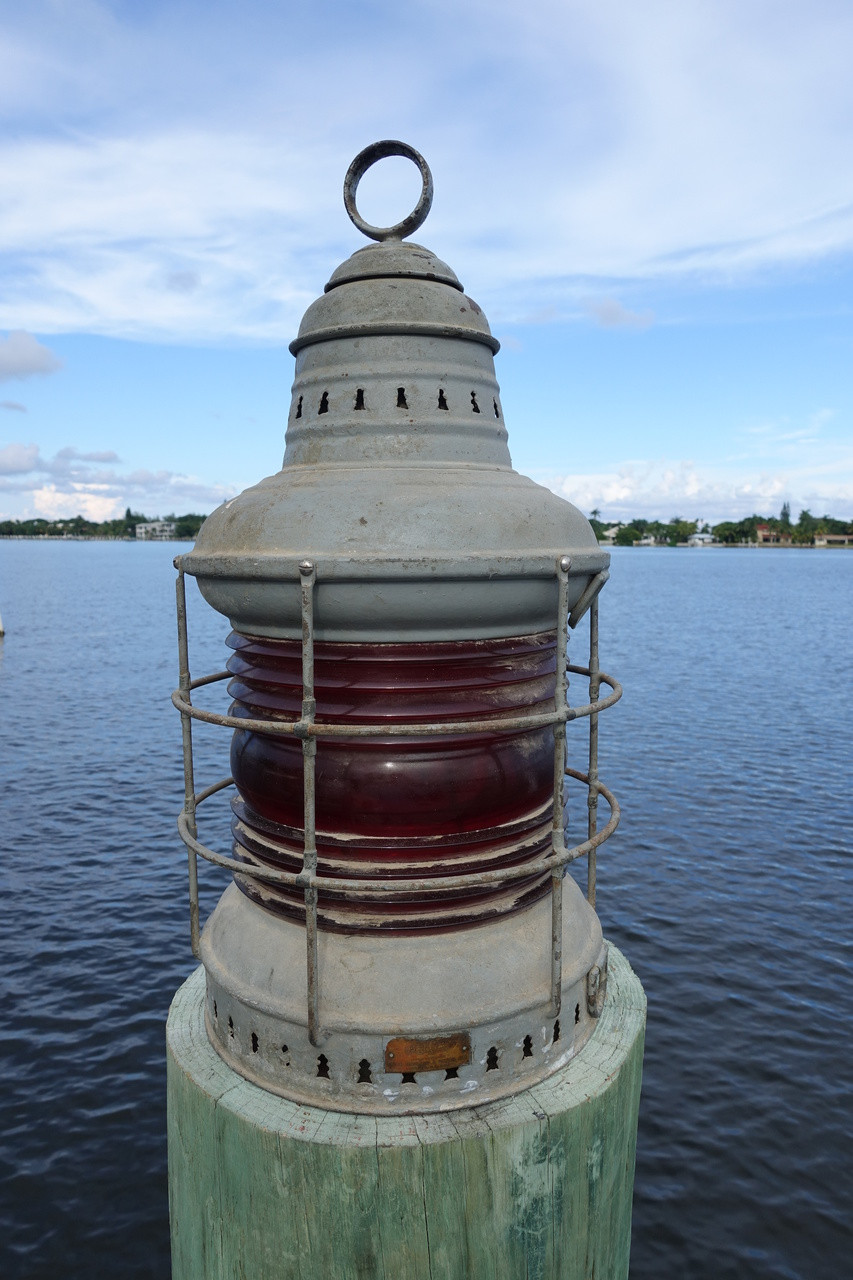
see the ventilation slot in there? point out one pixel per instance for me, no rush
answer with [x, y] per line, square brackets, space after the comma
[496, 409]
[231, 1028]
[254, 1042]
[452, 1073]
[299, 407]
[215, 1010]
[442, 402]
[556, 1031]
[323, 1067]
[359, 398]
[577, 1014]
[527, 1048]
[402, 402]
[492, 1059]
[324, 403]
[408, 1078]
[475, 408]
[364, 1076]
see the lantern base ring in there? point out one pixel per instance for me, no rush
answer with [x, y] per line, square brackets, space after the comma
[478, 1022]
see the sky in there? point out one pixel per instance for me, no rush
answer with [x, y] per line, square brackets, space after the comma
[653, 203]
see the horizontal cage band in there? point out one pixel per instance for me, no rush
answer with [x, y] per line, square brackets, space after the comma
[302, 728]
[561, 857]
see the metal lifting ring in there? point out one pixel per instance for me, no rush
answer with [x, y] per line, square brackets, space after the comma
[358, 168]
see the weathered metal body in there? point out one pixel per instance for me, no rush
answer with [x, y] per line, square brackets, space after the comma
[400, 599]
[397, 481]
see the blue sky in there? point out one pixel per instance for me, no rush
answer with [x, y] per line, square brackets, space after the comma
[653, 203]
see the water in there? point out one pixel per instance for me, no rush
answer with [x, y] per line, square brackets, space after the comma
[728, 886]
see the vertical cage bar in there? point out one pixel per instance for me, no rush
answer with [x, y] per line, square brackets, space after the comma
[558, 818]
[556, 942]
[592, 794]
[184, 683]
[308, 575]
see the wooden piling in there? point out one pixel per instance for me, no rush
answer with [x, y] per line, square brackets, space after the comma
[536, 1186]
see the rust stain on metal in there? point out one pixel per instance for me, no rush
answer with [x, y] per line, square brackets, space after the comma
[441, 1053]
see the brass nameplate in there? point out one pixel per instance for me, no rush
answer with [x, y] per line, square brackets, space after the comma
[441, 1053]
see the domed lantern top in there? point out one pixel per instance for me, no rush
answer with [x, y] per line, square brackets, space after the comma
[396, 469]
[400, 599]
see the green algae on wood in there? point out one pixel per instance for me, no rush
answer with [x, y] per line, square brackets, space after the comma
[536, 1186]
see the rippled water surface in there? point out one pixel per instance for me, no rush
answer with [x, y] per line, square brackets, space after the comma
[728, 886]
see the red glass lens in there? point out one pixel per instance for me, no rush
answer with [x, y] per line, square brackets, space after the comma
[398, 806]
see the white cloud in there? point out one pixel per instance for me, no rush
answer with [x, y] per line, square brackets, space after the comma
[65, 457]
[572, 144]
[25, 458]
[22, 355]
[77, 484]
[18, 459]
[56, 504]
[803, 449]
[611, 314]
[665, 488]
[183, 281]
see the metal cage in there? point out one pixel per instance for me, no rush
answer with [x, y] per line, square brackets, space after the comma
[308, 731]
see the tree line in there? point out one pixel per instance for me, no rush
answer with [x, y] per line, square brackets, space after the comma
[677, 530]
[668, 533]
[186, 526]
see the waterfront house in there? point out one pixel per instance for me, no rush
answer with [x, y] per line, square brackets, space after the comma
[765, 536]
[156, 530]
[833, 539]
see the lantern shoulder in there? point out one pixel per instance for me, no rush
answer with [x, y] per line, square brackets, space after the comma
[396, 511]
[485, 539]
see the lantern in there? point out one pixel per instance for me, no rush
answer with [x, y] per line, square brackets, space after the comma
[400, 934]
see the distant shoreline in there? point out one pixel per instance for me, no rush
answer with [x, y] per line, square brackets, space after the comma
[731, 546]
[82, 537]
[605, 546]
